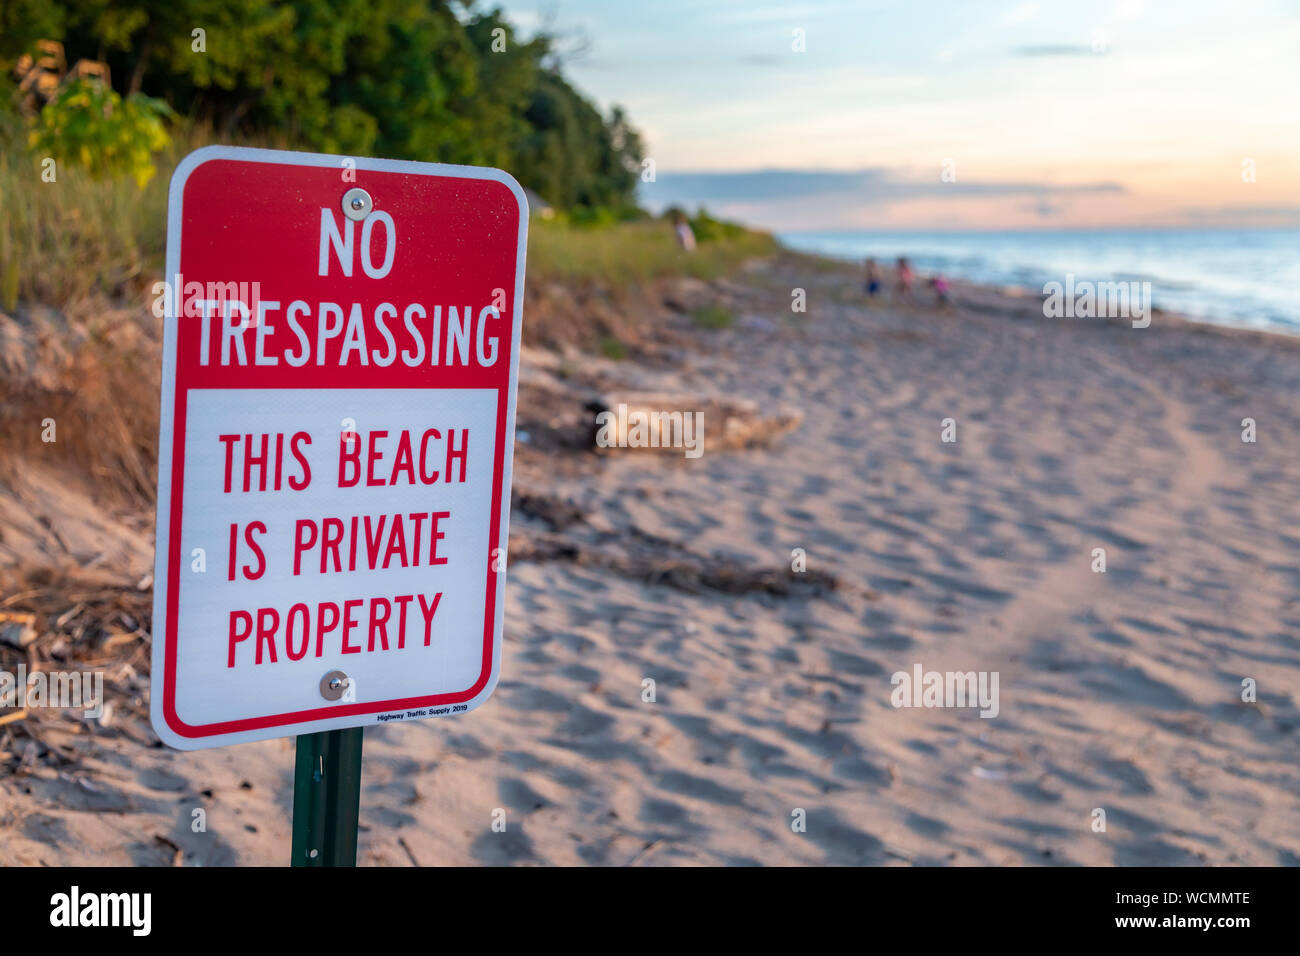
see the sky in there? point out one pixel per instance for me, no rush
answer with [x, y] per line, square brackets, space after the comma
[954, 114]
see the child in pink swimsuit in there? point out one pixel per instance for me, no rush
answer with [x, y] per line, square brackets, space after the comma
[940, 286]
[905, 277]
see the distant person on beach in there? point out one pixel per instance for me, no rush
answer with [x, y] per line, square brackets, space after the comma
[685, 238]
[940, 286]
[873, 278]
[905, 277]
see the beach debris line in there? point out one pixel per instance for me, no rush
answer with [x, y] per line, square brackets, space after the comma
[672, 566]
[91, 638]
[639, 555]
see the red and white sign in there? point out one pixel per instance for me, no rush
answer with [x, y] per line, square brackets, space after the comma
[340, 362]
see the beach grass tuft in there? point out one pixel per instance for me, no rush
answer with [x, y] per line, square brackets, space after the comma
[613, 348]
[712, 317]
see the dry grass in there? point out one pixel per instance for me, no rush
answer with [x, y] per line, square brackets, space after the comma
[632, 253]
[65, 240]
[602, 290]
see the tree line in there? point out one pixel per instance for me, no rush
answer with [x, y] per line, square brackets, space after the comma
[407, 79]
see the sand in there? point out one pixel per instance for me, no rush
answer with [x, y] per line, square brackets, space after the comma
[1118, 691]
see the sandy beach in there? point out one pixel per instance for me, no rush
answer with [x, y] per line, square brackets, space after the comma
[1118, 691]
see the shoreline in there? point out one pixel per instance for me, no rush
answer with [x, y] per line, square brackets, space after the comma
[1036, 276]
[1159, 316]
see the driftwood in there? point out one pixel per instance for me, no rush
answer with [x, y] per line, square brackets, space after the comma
[656, 421]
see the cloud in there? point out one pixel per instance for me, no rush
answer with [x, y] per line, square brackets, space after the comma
[1058, 49]
[795, 199]
[1242, 215]
[871, 185]
[1044, 208]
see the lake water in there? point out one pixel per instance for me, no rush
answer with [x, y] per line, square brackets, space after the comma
[1241, 277]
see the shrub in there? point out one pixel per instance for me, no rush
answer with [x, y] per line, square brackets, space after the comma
[708, 229]
[712, 317]
[613, 349]
[88, 125]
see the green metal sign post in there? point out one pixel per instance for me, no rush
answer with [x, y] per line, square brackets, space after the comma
[327, 798]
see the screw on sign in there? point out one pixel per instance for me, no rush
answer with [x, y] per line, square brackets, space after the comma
[340, 365]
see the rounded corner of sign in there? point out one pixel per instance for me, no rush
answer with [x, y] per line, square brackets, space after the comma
[192, 161]
[489, 686]
[512, 184]
[169, 735]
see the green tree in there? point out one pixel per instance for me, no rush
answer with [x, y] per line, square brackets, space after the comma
[414, 79]
[23, 22]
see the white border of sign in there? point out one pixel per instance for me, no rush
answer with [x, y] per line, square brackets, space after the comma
[175, 197]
